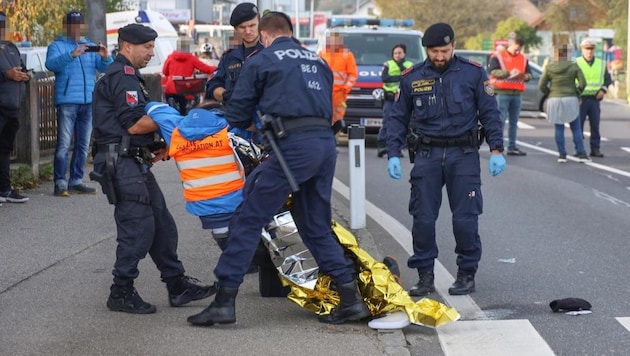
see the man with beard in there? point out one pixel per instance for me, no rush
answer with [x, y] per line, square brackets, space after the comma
[437, 111]
[124, 150]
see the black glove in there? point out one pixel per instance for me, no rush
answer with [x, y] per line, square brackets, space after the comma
[156, 145]
[226, 95]
[569, 304]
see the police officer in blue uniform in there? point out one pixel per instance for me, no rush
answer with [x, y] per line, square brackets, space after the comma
[124, 150]
[294, 86]
[244, 18]
[438, 107]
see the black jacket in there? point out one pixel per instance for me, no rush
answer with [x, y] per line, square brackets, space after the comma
[11, 92]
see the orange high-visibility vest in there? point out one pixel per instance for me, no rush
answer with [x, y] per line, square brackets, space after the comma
[345, 74]
[344, 68]
[207, 167]
[509, 62]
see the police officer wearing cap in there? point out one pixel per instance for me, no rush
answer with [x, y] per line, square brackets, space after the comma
[245, 18]
[436, 114]
[124, 150]
[294, 86]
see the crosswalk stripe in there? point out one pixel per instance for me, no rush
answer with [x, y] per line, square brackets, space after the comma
[625, 322]
[492, 337]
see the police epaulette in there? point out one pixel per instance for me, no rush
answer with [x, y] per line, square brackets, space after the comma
[475, 63]
[130, 70]
[407, 70]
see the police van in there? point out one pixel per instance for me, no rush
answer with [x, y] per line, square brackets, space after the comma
[165, 43]
[371, 41]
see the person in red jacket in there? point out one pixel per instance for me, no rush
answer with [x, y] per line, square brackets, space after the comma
[181, 64]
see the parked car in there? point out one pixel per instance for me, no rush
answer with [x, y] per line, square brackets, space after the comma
[533, 98]
[34, 59]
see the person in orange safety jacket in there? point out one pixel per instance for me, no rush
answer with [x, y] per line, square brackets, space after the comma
[211, 174]
[182, 64]
[345, 73]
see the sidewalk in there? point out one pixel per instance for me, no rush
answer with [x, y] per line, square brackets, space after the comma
[57, 255]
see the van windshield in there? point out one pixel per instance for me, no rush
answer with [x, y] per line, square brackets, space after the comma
[376, 48]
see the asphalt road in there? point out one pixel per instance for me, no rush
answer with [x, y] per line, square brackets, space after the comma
[549, 231]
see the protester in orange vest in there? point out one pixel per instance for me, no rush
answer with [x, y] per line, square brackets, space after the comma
[509, 70]
[211, 175]
[345, 73]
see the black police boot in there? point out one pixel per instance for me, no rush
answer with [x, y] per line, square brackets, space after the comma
[183, 290]
[126, 299]
[424, 286]
[464, 284]
[221, 239]
[221, 311]
[351, 306]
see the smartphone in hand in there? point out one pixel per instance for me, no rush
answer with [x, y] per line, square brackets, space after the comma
[93, 49]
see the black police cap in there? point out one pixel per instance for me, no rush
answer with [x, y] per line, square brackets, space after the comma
[243, 12]
[136, 33]
[438, 34]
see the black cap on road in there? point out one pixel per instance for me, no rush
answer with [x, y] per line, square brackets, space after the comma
[136, 33]
[437, 35]
[243, 12]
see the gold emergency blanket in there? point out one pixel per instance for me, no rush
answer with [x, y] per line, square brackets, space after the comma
[380, 291]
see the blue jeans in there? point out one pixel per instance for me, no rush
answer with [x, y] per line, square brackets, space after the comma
[72, 119]
[510, 106]
[578, 141]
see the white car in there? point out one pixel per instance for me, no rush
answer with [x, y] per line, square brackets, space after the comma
[34, 59]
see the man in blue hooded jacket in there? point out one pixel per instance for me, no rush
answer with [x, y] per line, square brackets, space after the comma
[75, 62]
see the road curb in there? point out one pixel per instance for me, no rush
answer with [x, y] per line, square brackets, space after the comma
[393, 341]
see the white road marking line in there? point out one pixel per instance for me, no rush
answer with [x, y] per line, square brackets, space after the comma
[571, 158]
[443, 279]
[627, 149]
[625, 322]
[490, 338]
[521, 125]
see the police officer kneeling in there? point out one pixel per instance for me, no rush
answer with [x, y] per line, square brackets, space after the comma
[124, 149]
[437, 112]
[294, 86]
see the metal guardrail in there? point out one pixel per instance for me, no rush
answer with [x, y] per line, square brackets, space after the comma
[44, 108]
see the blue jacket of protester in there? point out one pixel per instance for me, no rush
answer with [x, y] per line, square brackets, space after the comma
[74, 77]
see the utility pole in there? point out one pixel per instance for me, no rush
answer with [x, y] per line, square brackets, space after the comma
[96, 21]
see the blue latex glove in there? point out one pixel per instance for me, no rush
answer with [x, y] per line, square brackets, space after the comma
[393, 167]
[497, 164]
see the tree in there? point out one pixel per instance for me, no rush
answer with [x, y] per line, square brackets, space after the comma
[477, 41]
[468, 18]
[40, 21]
[522, 30]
